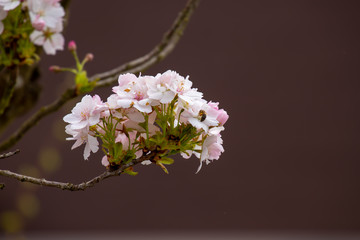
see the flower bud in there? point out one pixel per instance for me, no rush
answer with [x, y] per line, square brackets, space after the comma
[54, 69]
[89, 57]
[38, 23]
[222, 117]
[72, 46]
[105, 161]
[214, 105]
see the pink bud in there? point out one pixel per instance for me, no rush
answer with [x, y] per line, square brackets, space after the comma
[214, 105]
[105, 161]
[38, 23]
[89, 57]
[72, 46]
[222, 117]
[54, 69]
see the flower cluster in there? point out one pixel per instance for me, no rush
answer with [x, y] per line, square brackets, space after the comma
[45, 16]
[162, 115]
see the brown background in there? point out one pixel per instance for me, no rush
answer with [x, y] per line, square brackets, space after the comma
[287, 72]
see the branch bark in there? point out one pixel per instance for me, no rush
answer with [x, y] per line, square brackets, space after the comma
[71, 186]
[6, 155]
[9, 154]
[163, 49]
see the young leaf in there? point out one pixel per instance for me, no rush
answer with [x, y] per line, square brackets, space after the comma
[166, 160]
[130, 171]
[162, 167]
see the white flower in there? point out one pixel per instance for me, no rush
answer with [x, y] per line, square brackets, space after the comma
[45, 13]
[49, 39]
[159, 87]
[201, 115]
[146, 162]
[132, 91]
[111, 106]
[3, 15]
[81, 136]
[135, 118]
[211, 149]
[9, 4]
[86, 113]
[182, 86]
[105, 161]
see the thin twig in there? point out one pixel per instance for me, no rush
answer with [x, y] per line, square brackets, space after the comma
[162, 50]
[9, 154]
[71, 186]
[35, 118]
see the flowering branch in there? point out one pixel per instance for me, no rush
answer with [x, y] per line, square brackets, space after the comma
[71, 186]
[162, 50]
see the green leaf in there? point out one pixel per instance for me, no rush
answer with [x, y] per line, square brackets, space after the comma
[130, 171]
[166, 160]
[162, 167]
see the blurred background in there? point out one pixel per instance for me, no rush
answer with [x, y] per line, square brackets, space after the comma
[287, 72]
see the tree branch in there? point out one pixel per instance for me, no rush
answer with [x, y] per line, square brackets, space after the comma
[9, 154]
[162, 50]
[71, 186]
[6, 155]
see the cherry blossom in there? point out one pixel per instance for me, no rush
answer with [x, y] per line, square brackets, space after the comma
[211, 149]
[45, 13]
[139, 100]
[9, 4]
[82, 136]
[86, 113]
[222, 114]
[201, 115]
[51, 40]
[159, 87]
[132, 91]
[182, 87]
[105, 161]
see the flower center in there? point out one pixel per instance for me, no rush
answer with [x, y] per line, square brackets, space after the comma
[84, 115]
[139, 96]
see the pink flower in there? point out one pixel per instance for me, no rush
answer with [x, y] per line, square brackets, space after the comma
[105, 161]
[47, 12]
[159, 87]
[201, 115]
[132, 91]
[126, 141]
[222, 117]
[81, 136]
[222, 114]
[86, 113]
[38, 23]
[50, 40]
[182, 87]
[72, 46]
[211, 149]
[9, 4]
